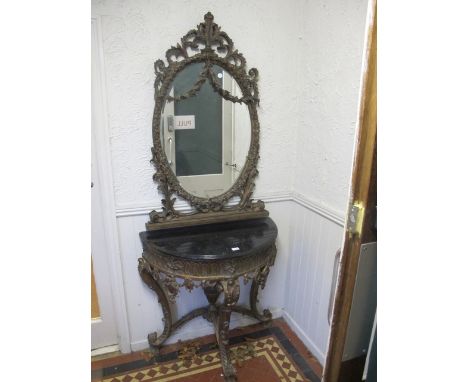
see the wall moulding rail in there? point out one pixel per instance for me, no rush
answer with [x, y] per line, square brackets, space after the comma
[326, 212]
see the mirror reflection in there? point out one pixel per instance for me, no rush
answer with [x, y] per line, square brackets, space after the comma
[206, 138]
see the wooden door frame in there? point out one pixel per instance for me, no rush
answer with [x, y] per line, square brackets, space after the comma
[363, 166]
[104, 169]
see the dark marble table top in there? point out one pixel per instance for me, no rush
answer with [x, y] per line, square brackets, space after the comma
[212, 241]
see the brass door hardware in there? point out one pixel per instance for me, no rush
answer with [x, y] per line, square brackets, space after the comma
[356, 218]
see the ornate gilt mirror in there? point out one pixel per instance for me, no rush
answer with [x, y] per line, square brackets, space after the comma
[205, 131]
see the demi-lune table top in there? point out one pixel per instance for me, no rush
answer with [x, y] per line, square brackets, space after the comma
[220, 241]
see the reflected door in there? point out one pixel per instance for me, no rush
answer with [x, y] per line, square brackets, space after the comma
[198, 134]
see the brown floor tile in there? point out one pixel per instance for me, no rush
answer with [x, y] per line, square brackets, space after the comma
[257, 369]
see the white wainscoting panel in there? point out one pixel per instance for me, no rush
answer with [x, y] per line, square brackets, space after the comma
[314, 240]
[144, 312]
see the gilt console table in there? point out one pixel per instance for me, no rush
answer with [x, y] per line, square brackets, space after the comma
[214, 257]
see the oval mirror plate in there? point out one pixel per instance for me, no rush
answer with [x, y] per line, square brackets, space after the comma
[205, 137]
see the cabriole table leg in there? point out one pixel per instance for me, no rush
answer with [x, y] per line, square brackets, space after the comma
[257, 283]
[154, 340]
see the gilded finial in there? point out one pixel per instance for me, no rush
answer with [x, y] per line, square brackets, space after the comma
[209, 17]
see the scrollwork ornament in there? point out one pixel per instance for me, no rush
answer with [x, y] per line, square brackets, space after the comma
[172, 287]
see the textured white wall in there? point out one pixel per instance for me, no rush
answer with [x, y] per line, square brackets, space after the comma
[332, 46]
[136, 33]
[333, 40]
[309, 58]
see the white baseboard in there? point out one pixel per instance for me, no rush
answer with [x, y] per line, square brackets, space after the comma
[187, 333]
[304, 338]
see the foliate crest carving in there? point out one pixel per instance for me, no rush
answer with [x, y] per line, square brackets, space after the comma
[209, 45]
[208, 39]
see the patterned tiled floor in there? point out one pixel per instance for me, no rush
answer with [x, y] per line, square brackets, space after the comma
[268, 354]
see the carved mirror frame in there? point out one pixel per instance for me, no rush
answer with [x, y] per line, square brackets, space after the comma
[218, 49]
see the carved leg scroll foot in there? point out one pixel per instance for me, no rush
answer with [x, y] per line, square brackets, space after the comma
[154, 340]
[231, 295]
[259, 282]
